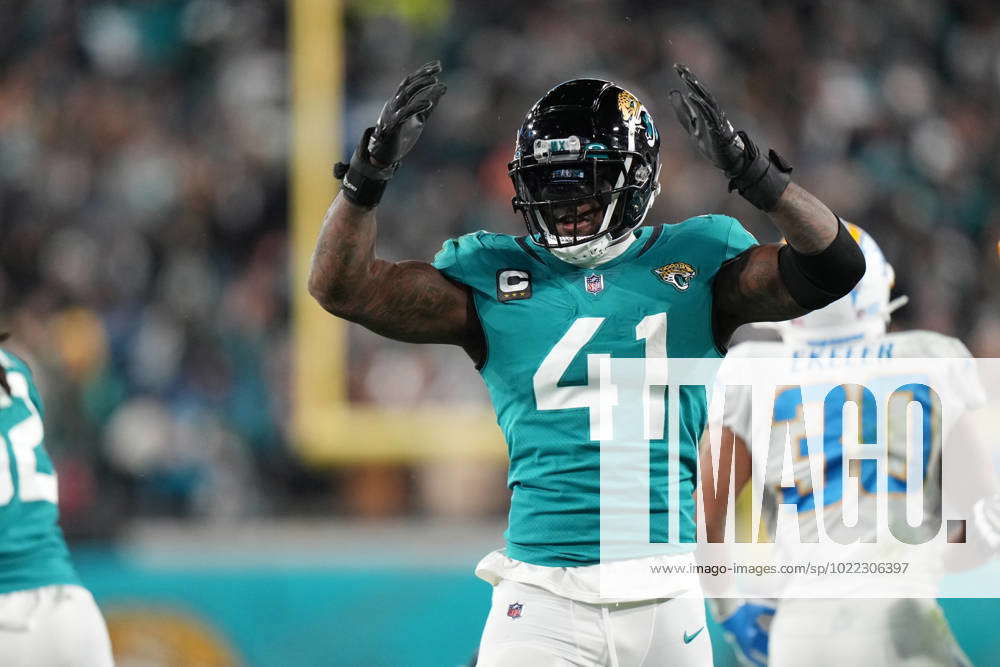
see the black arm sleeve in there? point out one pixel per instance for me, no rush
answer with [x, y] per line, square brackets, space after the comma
[817, 280]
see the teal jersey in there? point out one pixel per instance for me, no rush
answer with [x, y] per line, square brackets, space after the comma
[33, 552]
[542, 319]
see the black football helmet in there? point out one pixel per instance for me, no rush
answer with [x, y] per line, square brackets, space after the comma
[586, 143]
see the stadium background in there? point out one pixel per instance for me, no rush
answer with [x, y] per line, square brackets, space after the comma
[247, 481]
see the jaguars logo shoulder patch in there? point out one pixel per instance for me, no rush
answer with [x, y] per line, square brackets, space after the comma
[678, 274]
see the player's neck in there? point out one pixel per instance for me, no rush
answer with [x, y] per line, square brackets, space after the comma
[614, 251]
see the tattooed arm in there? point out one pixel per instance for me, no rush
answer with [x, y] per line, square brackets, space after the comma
[820, 262]
[749, 288]
[805, 222]
[408, 301]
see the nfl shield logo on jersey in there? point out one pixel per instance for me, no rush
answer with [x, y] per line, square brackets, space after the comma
[514, 610]
[594, 283]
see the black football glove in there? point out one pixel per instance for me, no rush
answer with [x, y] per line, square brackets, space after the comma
[398, 127]
[760, 179]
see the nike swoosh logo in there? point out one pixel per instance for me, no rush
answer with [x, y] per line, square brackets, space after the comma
[690, 638]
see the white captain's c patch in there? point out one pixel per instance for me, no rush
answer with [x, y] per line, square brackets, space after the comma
[513, 284]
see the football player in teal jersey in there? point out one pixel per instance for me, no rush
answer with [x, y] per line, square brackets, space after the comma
[538, 312]
[47, 618]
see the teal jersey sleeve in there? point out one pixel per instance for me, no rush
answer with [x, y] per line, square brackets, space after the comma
[482, 261]
[716, 238]
[463, 259]
[448, 259]
[739, 239]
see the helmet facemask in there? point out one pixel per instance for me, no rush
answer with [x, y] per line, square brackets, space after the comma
[571, 202]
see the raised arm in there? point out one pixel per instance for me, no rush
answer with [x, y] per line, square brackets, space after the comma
[409, 301]
[818, 264]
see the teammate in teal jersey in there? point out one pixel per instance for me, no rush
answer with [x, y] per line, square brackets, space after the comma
[46, 616]
[537, 313]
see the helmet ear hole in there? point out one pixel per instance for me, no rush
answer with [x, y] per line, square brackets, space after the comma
[641, 174]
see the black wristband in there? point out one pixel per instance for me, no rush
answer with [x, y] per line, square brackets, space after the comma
[818, 280]
[763, 179]
[364, 183]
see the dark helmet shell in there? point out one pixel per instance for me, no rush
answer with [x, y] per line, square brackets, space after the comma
[601, 131]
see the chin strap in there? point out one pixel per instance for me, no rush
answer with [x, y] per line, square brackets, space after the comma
[588, 258]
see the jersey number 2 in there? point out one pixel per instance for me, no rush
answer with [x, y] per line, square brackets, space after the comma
[24, 437]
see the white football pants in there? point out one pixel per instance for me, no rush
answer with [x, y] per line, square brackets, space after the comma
[528, 625]
[53, 626]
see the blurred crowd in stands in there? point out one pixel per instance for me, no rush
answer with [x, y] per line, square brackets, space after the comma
[144, 214]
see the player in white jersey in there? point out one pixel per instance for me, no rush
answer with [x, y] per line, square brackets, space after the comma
[905, 630]
[47, 618]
